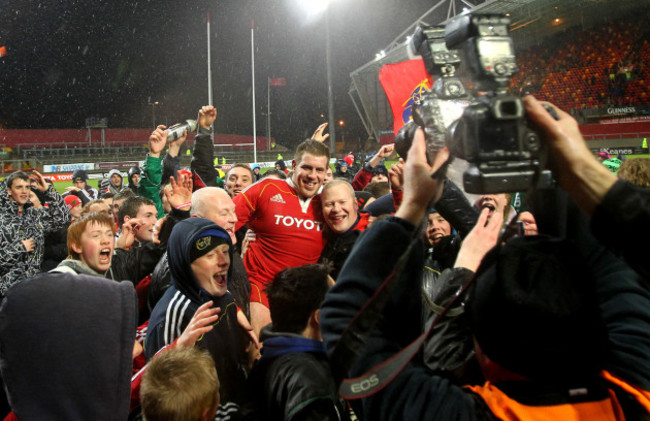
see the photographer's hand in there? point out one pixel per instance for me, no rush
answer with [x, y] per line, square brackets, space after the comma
[578, 172]
[419, 187]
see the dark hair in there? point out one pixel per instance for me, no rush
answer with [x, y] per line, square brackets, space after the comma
[533, 309]
[131, 206]
[294, 294]
[312, 147]
[108, 195]
[123, 194]
[240, 165]
[378, 188]
[276, 172]
[18, 175]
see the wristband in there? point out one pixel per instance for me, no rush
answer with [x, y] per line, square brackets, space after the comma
[180, 207]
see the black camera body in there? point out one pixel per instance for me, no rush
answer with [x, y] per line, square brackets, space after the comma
[503, 153]
[441, 63]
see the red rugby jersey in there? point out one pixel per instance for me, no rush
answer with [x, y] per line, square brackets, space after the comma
[289, 230]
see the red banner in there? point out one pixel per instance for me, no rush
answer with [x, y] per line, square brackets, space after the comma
[3, 51]
[404, 84]
[278, 81]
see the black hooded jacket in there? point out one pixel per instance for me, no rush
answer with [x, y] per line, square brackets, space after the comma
[133, 171]
[67, 343]
[171, 315]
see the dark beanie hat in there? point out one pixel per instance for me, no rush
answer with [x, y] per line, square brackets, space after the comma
[207, 241]
[533, 310]
[79, 174]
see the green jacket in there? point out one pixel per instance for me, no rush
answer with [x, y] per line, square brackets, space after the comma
[150, 182]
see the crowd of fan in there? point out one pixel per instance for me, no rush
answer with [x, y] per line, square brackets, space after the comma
[602, 66]
[256, 294]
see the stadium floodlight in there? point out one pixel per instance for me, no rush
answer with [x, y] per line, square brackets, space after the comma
[313, 8]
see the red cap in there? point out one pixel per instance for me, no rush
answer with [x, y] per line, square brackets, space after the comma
[72, 201]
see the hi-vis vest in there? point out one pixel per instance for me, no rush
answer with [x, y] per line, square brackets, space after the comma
[608, 409]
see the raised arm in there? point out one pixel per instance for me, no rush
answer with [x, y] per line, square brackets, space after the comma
[203, 154]
[152, 171]
[610, 201]
[57, 215]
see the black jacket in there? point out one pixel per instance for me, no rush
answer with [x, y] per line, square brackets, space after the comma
[136, 263]
[621, 220]
[56, 248]
[348, 175]
[202, 159]
[171, 315]
[292, 381]
[338, 247]
[416, 394]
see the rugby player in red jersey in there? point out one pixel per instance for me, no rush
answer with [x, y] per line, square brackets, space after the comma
[286, 218]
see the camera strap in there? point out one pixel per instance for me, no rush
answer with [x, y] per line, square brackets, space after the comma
[375, 379]
[354, 337]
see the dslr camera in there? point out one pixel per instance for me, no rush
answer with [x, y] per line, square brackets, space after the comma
[492, 135]
[441, 63]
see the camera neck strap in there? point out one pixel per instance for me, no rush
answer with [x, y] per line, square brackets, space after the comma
[354, 337]
[375, 379]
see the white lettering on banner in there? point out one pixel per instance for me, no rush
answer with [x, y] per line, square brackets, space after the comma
[289, 221]
[60, 177]
[621, 110]
[613, 151]
[68, 167]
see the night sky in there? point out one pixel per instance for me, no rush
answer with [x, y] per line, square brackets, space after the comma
[68, 60]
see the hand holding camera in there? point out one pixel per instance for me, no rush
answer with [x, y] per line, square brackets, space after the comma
[420, 180]
[493, 134]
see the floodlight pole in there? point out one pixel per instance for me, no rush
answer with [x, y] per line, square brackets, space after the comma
[330, 95]
[209, 64]
[253, 84]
